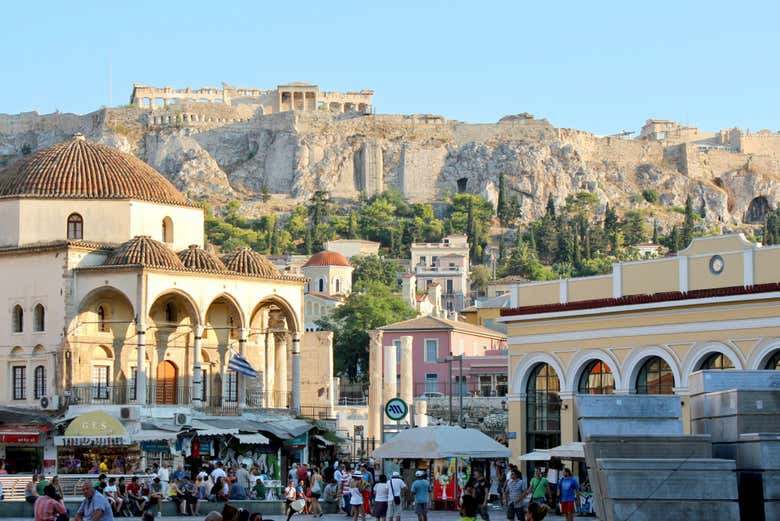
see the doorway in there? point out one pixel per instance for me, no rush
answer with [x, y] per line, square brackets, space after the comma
[167, 375]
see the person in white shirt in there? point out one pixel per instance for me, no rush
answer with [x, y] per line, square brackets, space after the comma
[218, 472]
[381, 498]
[165, 477]
[395, 503]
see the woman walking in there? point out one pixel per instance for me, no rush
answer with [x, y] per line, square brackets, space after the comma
[356, 498]
[381, 498]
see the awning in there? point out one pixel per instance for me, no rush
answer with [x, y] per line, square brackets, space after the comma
[441, 441]
[537, 455]
[21, 434]
[94, 429]
[154, 435]
[572, 451]
[205, 428]
[322, 441]
[252, 439]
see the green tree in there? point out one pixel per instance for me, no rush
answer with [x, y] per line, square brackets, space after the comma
[502, 205]
[772, 228]
[363, 311]
[688, 222]
[472, 215]
[611, 226]
[480, 276]
[374, 269]
[633, 227]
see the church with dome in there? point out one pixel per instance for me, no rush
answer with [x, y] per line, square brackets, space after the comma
[114, 302]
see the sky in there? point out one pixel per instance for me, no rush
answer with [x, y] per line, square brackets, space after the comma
[599, 66]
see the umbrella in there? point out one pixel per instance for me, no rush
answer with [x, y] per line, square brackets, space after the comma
[441, 441]
[571, 451]
[537, 455]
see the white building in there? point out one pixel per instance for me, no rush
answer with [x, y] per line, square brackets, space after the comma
[329, 282]
[447, 263]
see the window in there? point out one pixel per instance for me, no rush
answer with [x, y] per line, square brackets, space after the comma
[435, 260]
[423, 260]
[100, 382]
[75, 227]
[204, 384]
[133, 383]
[431, 350]
[321, 285]
[543, 409]
[502, 385]
[774, 362]
[17, 319]
[486, 385]
[20, 382]
[231, 392]
[716, 361]
[431, 382]
[338, 285]
[170, 312]
[397, 344]
[39, 318]
[655, 377]
[101, 320]
[449, 286]
[596, 378]
[167, 230]
[40, 382]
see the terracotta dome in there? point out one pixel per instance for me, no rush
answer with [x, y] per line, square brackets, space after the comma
[250, 262]
[144, 251]
[327, 258]
[197, 258]
[80, 169]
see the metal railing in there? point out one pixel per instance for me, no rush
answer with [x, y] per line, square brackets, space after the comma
[470, 388]
[317, 412]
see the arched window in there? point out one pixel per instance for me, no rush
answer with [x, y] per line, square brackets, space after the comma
[39, 318]
[716, 361]
[774, 362]
[170, 312]
[167, 230]
[40, 382]
[338, 285]
[543, 413]
[596, 378]
[655, 377]
[75, 227]
[101, 320]
[321, 285]
[17, 319]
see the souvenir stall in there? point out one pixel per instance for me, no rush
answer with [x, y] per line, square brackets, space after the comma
[445, 454]
[94, 438]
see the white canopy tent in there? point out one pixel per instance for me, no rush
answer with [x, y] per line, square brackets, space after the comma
[537, 455]
[571, 451]
[441, 441]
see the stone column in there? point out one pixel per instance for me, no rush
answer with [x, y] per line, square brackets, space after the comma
[390, 387]
[270, 370]
[295, 405]
[375, 406]
[280, 376]
[140, 384]
[243, 333]
[407, 370]
[197, 369]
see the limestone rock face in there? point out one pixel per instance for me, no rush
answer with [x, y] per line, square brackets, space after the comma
[291, 155]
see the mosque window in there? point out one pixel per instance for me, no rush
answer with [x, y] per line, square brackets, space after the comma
[39, 318]
[75, 227]
[167, 230]
[231, 393]
[338, 285]
[40, 382]
[101, 319]
[17, 319]
[170, 312]
[321, 285]
[655, 377]
[19, 382]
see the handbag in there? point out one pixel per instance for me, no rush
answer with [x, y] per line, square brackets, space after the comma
[396, 499]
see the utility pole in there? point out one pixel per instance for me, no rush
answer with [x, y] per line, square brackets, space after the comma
[449, 363]
[460, 390]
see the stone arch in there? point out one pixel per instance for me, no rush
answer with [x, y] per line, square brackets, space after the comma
[757, 210]
[700, 351]
[119, 312]
[178, 296]
[217, 330]
[39, 350]
[639, 355]
[581, 361]
[293, 320]
[761, 355]
[522, 372]
[17, 351]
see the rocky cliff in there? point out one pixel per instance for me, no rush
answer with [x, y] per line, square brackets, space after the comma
[221, 153]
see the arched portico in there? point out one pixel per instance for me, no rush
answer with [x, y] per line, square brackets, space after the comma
[223, 333]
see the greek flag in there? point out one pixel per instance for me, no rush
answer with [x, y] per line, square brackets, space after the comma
[240, 365]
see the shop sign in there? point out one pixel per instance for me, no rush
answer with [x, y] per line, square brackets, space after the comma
[92, 441]
[22, 439]
[511, 435]
[298, 442]
[155, 446]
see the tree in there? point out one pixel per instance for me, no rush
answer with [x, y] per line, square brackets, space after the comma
[772, 228]
[688, 222]
[611, 226]
[374, 269]
[550, 206]
[480, 276]
[472, 214]
[363, 311]
[634, 228]
[502, 205]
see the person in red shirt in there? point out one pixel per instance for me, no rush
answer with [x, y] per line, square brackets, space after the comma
[135, 496]
[47, 506]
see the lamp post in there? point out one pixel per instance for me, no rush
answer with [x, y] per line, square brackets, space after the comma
[448, 360]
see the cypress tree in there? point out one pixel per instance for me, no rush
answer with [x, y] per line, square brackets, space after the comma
[688, 223]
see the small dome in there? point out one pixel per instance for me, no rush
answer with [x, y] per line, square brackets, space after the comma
[197, 258]
[79, 169]
[142, 250]
[327, 258]
[250, 262]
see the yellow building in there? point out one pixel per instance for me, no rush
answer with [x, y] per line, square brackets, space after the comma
[642, 329]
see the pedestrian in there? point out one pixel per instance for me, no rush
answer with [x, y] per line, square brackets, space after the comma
[290, 495]
[536, 511]
[540, 488]
[381, 497]
[31, 490]
[315, 491]
[514, 494]
[395, 504]
[481, 491]
[242, 474]
[94, 507]
[346, 479]
[468, 509]
[420, 488]
[164, 476]
[48, 507]
[356, 498]
[568, 490]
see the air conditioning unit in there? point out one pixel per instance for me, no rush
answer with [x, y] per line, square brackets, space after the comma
[128, 413]
[50, 403]
[181, 419]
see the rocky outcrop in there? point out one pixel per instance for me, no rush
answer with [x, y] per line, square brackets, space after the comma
[220, 157]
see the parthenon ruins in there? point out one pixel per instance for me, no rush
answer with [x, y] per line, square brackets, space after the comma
[292, 96]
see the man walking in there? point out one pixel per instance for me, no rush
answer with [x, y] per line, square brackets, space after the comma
[540, 488]
[420, 489]
[514, 492]
[481, 488]
[395, 503]
[568, 490]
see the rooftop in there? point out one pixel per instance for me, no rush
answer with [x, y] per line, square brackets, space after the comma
[431, 323]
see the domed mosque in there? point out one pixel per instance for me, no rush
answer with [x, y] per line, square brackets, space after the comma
[114, 300]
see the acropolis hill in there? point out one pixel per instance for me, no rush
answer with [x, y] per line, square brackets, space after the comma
[233, 142]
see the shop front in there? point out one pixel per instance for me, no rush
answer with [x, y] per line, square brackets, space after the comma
[22, 448]
[93, 440]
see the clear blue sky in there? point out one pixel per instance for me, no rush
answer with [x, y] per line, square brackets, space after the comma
[599, 66]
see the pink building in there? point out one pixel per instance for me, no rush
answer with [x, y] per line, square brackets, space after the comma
[434, 339]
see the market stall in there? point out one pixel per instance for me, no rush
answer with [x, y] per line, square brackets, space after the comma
[93, 438]
[445, 453]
